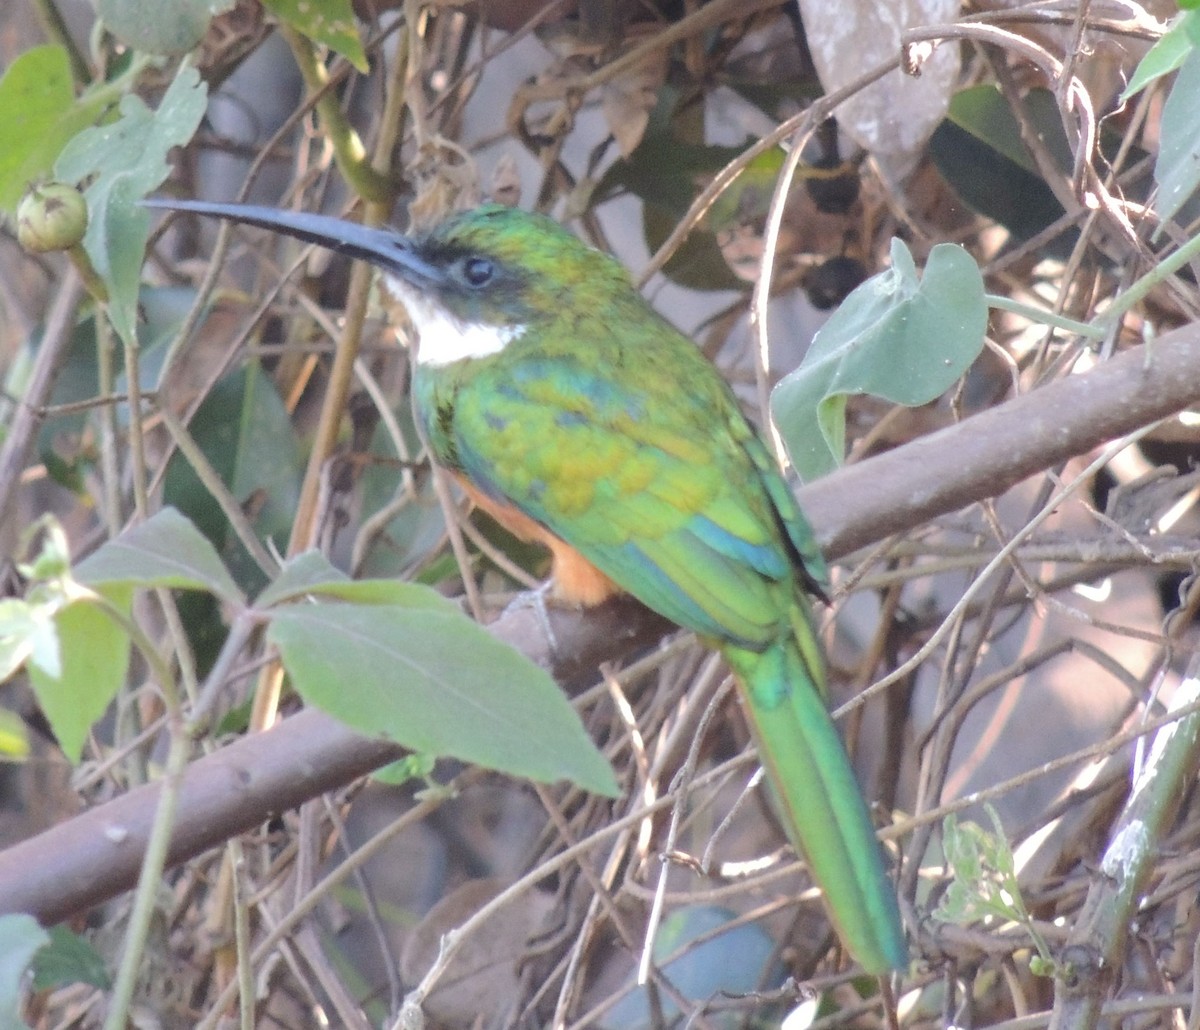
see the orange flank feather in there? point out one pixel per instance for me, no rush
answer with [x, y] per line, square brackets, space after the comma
[576, 580]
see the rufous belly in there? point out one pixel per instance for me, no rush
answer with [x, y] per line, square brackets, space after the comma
[576, 580]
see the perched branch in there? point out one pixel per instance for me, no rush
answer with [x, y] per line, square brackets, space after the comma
[96, 855]
[988, 453]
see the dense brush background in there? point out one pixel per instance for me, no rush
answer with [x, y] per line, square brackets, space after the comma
[1017, 719]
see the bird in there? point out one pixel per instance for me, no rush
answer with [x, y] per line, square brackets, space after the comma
[579, 418]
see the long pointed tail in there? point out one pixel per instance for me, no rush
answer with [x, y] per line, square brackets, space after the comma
[823, 807]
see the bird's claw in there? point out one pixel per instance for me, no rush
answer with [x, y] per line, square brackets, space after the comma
[537, 600]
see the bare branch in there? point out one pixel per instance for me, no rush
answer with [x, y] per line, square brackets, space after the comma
[97, 854]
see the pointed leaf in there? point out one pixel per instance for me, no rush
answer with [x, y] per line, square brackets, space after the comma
[245, 431]
[432, 680]
[1177, 170]
[164, 551]
[311, 573]
[95, 658]
[300, 576]
[128, 159]
[896, 337]
[38, 115]
[390, 591]
[37, 99]
[978, 148]
[663, 171]
[35, 92]
[1165, 56]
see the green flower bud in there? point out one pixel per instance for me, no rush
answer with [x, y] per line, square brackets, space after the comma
[51, 217]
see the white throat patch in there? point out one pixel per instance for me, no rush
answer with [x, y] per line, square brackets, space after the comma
[444, 340]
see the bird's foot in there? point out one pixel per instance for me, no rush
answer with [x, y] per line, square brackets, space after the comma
[536, 599]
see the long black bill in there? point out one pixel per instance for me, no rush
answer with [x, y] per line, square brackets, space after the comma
[384, 248]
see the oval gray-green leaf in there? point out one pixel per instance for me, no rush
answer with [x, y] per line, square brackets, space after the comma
[125, 160]
[898, 337]
[434, 681]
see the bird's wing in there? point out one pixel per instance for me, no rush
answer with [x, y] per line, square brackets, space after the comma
[805, 551]
[655, 487]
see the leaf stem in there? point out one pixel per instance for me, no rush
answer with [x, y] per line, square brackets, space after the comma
[1044, 317]
[1162, 271]
[348, 149]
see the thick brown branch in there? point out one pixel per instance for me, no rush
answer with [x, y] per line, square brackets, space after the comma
[986, 454]
[96, 855]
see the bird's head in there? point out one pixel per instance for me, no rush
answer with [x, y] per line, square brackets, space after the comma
[475, 283]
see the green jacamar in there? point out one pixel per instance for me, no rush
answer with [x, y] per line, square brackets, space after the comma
[579, 418]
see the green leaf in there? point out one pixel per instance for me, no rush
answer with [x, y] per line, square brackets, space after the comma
[95, 658]
[703, 951]
[35, 93]
[244, 430]
[20, 938]
[69, 474]
[410, 767]
[387, 591]
[328, 22]
[299, 577]
[428, 678]
[964, 845]
[38, 115]
[164, 27]
[1177, 170]
[978, 149]
[984, 879]
[164, 551]
[128, 159]
[311, 573]
[27, 633]
[53, 558]
[749, 195]
[68, 959]
[1165, 56]
[698, 263]
[983, 112]
[896, 337]
[663, 172]
[14, 737]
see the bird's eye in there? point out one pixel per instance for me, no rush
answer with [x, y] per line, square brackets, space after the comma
[478, 271]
